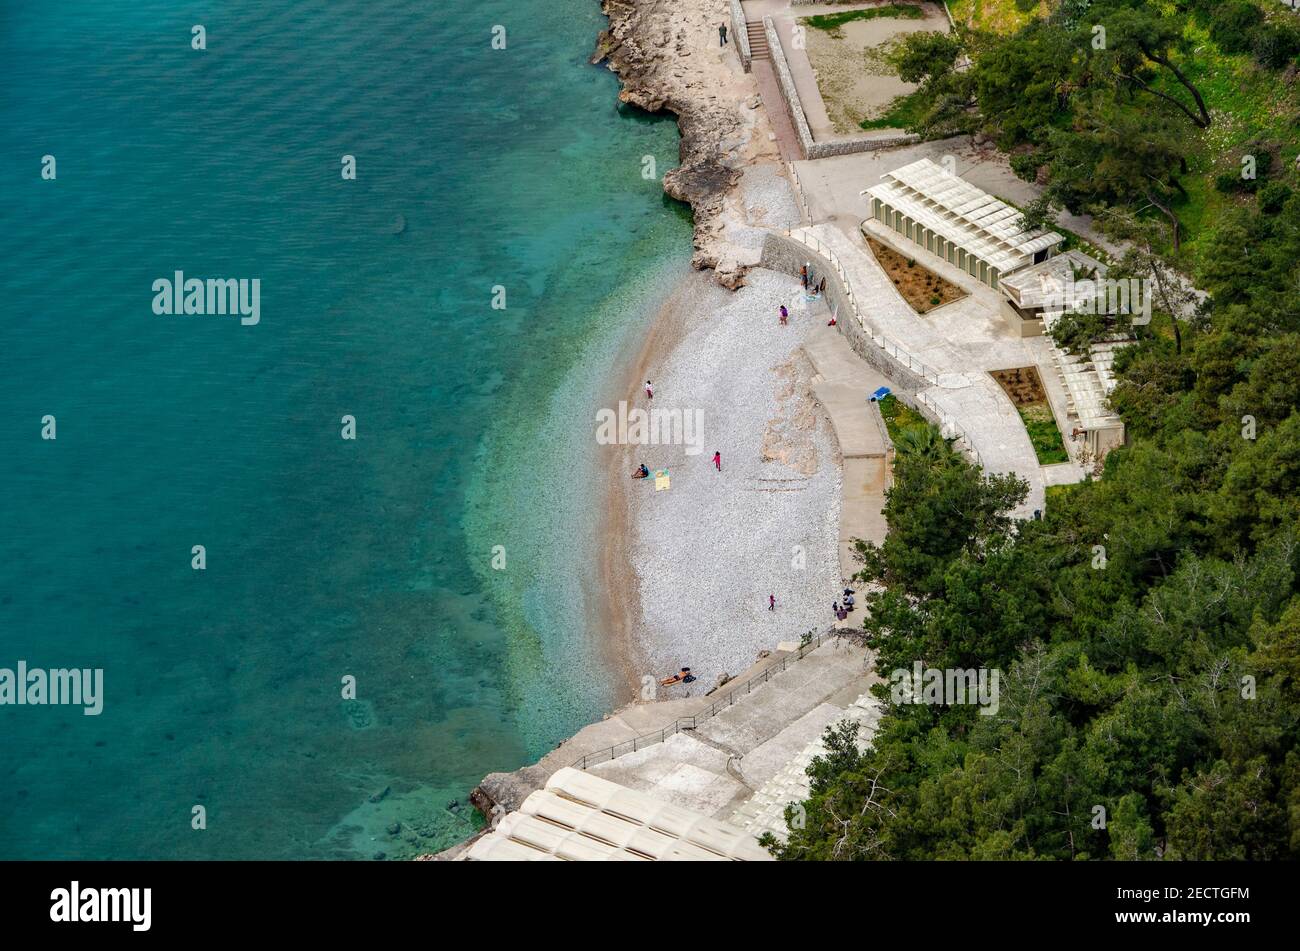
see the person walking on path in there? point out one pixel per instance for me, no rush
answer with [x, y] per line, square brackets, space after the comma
[722, 34]
[771, 602]
[717, 460]
[784, 314]
[649, 391]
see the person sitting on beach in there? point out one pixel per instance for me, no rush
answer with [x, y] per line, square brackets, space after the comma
[841, 614]
[836, 608]
[684, 676]
[641, 473]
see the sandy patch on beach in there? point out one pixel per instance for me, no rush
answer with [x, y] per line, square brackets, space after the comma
[703, 556]
[853, 77]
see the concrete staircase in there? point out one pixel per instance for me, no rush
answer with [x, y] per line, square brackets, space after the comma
[765, 810]
[719, 766]
[758, 48]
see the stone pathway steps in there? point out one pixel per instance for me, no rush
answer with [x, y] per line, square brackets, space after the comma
[765, 810]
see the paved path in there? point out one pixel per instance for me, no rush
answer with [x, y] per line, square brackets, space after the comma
[786, 138]
[842, 384]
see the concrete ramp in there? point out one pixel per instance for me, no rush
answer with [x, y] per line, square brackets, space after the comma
[842, 385]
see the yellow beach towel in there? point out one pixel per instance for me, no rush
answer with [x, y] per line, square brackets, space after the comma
[661, 480]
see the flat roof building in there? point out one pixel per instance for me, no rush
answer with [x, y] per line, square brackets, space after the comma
[1034, 296]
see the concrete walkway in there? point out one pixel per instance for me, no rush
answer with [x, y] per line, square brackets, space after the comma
[962, 342]
[786, 139]
[842, 385]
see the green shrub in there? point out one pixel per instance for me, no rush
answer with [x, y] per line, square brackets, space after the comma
[1275, 45]
[1272, 197]
[1234, 24]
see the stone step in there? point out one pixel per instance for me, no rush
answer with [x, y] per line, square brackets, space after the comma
[765, 810]
[758, 48]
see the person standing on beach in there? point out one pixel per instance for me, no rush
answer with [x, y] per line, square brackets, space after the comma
[803, 276]
[771, 602]
[717, 460]
[722, 34]
[784, 314]
[649, 391]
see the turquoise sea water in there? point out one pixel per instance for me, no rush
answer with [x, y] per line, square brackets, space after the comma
[326, 558]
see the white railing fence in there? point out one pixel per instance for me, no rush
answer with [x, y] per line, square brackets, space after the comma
[891, 347]
[947, 425]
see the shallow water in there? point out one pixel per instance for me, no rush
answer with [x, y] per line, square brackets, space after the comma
[326, 558]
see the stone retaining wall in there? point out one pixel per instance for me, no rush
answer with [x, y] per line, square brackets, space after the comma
[787, 255]
[740, 34]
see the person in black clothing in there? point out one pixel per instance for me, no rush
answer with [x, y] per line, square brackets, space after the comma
[722, 34]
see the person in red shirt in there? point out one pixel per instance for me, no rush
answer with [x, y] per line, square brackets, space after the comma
[717, 461]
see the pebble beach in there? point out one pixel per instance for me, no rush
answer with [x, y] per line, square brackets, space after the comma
[689, 570]
[706, 553]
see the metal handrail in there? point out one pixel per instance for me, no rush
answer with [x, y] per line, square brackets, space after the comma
[689, 723]
[959, 433]
[914, 364]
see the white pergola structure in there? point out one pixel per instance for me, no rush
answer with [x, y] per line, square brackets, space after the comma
[949, 217]
[1088, 382]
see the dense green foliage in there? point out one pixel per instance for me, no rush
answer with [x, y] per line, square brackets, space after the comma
[1147, 629]
[1112, 102]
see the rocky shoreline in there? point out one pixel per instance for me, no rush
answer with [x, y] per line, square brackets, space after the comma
[667, 57]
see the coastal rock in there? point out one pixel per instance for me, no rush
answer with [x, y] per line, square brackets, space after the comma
[717, 132]
[730, 274]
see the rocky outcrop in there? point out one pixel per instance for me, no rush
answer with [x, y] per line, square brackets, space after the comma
[666, 54]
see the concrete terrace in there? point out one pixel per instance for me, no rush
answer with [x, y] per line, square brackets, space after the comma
[961, 342]
[832, 186]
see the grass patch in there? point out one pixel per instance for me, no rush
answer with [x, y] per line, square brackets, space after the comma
[899, 417]
[905, 112]
[996, 16]
[1041, 426]
[1245, 100]
[831, 22]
